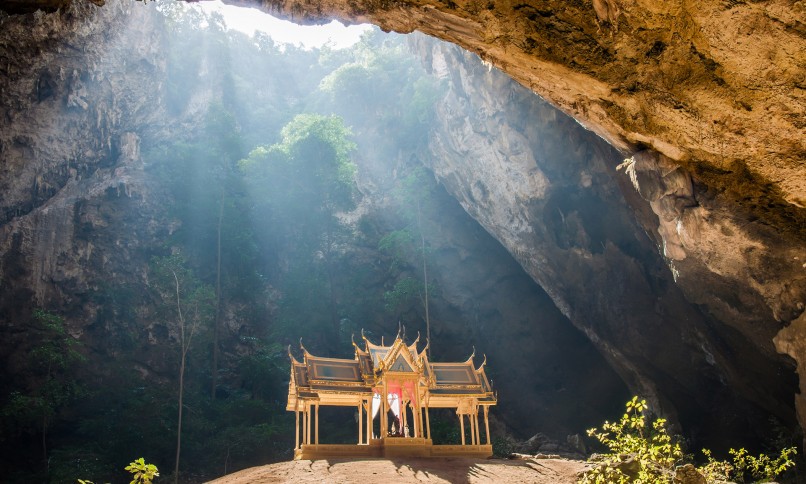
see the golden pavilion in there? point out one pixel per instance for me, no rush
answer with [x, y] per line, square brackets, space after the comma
[392, 387]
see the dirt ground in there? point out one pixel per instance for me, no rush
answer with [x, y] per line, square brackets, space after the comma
[406, 470]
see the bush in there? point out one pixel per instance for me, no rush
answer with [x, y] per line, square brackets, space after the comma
[762, 468]
[142, 473]
[636, 453]
[648, 455]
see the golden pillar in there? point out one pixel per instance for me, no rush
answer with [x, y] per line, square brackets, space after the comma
[296, 424]
[427, 419]
[307, 418]
[462, 427]
[370, 430]
[476, 423]
[360, 421]
[316, 422]
[384, 410]
[487, 422]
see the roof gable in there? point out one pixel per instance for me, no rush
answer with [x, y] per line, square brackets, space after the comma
[400, 364]
[399, 357]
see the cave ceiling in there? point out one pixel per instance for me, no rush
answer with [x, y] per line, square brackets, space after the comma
[717, 86]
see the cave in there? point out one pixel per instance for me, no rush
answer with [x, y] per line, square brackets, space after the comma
[613, 204]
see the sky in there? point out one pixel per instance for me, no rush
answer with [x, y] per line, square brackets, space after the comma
[247, 20]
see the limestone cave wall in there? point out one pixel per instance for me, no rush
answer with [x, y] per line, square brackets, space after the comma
[682, 283]
[552, 194]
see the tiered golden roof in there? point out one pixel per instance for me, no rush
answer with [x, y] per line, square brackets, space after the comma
[325, 378]
[394, 386]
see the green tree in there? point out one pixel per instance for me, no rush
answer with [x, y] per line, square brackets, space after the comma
[301, 184]
[413, 197]
[204, 180]
[384, 82]
[190, 305]
[263, 367]
[52, 362]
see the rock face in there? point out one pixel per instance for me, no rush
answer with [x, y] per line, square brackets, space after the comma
[71, 169]
[550, 192]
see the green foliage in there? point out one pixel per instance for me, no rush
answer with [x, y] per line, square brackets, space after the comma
[415, 193]
[172, 278]
[398, 244]
[142, 473]
[234, 432]
[348, 82]
[427, 92]
[503, 446]
[51, 384]
[57, 349]
[310, 169]
[715, 470]
[299, 185]
[637, 453]
[406, 292]
[642, 455]
[386, 83]
[263, 367]
[406, 246]
[445, 428]
[761, 469]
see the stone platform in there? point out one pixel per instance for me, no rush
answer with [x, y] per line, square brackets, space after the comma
[392, 447]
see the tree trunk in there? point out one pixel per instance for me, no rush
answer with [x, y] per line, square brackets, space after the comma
[217, 325]
[425, 282]
[45, 437]
[179, 419]
[45, 420]
[183, 352]
[334, 320]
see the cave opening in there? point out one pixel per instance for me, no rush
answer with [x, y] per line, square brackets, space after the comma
[317, 191]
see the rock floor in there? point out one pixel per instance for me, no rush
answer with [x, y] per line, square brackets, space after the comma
[407, 470]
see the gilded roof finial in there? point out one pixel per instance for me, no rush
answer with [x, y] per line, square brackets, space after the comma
[291, 356]
[483, 363]
[470, 360]
[302, 347]
[367, 342]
